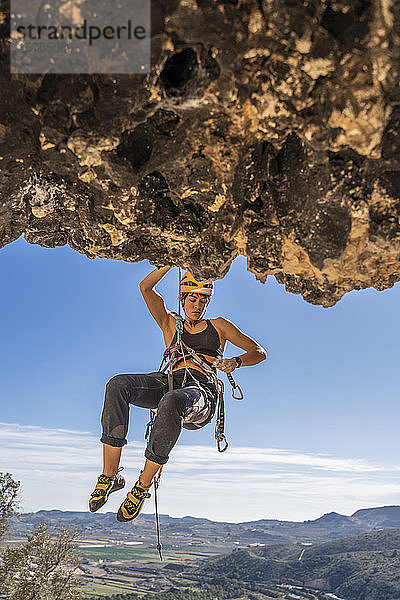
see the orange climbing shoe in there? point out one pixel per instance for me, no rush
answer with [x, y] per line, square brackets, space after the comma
[104, 487]
[132, 505]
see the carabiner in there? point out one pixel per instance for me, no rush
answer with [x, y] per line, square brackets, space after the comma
[148, 428]
[234, 387]
[222, 438]
[240, 392]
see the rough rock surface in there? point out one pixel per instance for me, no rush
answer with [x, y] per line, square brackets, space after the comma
[269, 128]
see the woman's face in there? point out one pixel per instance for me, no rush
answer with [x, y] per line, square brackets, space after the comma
[195, 305]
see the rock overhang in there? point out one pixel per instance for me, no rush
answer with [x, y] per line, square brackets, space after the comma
[268, 129]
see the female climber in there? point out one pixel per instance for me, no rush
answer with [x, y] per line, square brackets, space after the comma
[191, 406]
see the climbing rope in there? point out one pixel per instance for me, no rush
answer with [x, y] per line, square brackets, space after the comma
[172, 355]
[156, 483]
[179, 318]
[149, 426]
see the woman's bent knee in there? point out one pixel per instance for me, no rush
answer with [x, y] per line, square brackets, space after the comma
[116, 383]
[170, 400]
[169, 397]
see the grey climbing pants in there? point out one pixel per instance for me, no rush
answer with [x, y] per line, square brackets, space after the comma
[191, 407]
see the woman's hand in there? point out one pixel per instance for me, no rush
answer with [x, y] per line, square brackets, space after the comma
[227, 365]
[254, 353]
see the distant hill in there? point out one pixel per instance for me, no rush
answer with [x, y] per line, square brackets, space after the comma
[332, 518]
[330, 526]
[364, 567]
[384, 516]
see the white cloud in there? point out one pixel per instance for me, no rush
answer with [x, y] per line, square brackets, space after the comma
[58, 469]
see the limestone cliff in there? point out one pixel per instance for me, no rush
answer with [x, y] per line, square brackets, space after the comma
[266, 128]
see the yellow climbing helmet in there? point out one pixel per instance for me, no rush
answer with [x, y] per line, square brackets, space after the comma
[190, 285]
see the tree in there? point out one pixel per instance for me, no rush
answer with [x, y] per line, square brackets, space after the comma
[8, 500]
[44, 567]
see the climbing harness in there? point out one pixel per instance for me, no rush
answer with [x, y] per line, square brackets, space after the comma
[181, 351]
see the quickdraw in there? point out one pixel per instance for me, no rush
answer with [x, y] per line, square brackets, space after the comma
[235, 386]
[220, 420]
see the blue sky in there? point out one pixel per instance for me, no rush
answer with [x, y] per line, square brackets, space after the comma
[328, 391]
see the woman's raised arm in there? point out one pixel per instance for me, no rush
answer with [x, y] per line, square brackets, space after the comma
[154, 301]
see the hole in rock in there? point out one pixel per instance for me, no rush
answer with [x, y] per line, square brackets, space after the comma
[179, 69]
[136, 146]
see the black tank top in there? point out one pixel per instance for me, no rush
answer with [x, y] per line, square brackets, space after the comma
[204, 342]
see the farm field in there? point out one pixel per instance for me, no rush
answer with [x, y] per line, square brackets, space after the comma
[108, 569]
